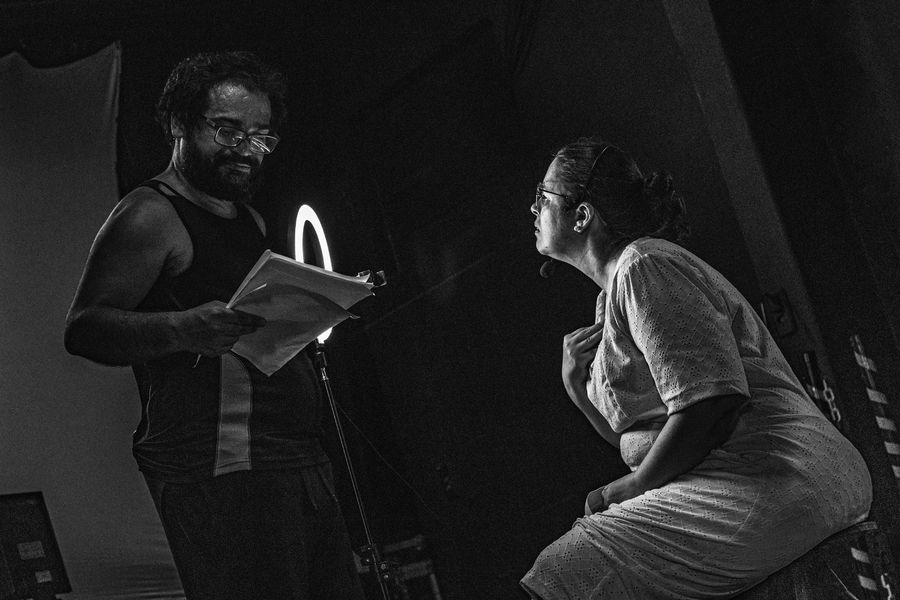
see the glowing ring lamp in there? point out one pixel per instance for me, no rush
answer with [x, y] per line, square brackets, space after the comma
[305, 214]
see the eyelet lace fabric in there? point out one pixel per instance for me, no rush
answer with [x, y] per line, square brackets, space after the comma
[677, 332]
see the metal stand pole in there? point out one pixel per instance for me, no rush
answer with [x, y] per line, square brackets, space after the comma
[380, 567]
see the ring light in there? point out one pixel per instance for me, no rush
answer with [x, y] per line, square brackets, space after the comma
[305, 214]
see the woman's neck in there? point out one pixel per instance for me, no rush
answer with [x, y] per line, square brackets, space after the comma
[599, 263]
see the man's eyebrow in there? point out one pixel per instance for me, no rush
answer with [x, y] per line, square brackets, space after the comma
[237, 122]
[228, 120]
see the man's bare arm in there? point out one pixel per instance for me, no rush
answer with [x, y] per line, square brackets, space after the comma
[140, 240]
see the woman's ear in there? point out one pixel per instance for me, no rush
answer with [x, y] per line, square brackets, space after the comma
[585, 213]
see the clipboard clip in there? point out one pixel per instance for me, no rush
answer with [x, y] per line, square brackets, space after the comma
[376, 278]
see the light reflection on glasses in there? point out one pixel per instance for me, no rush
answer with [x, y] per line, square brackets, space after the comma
[231, 137]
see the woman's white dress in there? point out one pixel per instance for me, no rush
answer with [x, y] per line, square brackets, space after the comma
[677, 332]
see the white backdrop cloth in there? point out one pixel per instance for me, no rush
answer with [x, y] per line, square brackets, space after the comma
[66, 423]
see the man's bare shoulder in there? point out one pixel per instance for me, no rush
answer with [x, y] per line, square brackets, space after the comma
[143, 198]
[144, 208]
[146, 221]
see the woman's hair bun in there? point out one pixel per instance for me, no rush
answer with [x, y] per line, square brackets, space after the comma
[630, 204]
[666, 207]
[659, 185]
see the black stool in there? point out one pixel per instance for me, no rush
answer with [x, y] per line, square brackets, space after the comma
[855, 560]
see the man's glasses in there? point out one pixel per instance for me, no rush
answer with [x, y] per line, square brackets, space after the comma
[231, 137]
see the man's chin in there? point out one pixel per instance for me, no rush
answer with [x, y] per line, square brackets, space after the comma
[233, 186]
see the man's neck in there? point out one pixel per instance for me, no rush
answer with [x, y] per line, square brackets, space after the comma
[175, 178]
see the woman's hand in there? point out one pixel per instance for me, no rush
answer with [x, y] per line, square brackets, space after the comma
[579, 348]
[594, 502]
[622, 489]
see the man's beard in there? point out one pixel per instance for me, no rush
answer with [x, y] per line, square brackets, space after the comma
[206, 174]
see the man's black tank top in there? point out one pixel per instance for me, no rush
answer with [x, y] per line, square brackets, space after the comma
[200, 419]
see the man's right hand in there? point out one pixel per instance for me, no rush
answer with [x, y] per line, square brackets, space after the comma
[211, 329]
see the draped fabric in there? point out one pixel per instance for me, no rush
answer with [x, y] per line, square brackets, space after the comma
[65, 423]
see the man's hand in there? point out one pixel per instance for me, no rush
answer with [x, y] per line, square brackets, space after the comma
[579, 348]
[211, 329]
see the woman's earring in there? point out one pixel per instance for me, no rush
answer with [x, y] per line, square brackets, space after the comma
[578, 229]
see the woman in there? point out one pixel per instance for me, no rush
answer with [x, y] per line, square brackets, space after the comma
[734, 471]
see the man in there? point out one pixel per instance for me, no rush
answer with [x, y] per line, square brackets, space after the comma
[231, 457]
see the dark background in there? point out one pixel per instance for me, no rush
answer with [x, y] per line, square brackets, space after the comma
[418, 130]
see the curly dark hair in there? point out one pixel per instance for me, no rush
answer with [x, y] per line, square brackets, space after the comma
[630, 204]
[187, 89]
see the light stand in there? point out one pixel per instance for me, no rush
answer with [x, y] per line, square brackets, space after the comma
[372, 556]
[306, 216]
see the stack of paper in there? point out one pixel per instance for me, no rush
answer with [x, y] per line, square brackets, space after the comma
[298, 301]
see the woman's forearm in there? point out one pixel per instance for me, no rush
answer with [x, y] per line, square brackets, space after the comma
[687, 438]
